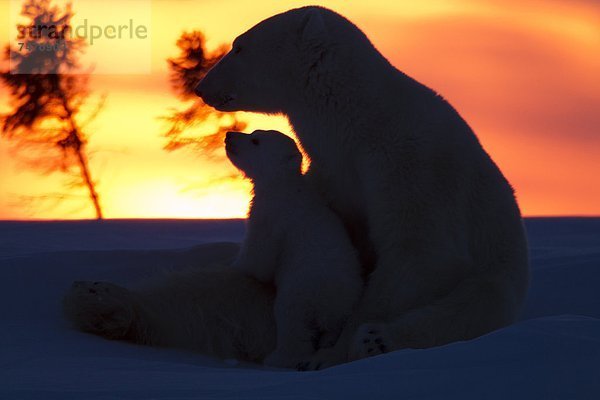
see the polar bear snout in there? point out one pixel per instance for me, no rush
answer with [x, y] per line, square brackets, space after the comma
[230, 136]
[216, 99]
[232, 139]
[234, 144]
[230, 144]
[198, 89]
[213, 92]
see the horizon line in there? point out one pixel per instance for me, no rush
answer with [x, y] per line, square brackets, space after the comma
[167, 219]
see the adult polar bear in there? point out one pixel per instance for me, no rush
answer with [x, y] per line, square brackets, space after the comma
[437, 224]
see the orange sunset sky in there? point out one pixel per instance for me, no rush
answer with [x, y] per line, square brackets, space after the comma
[525, 74]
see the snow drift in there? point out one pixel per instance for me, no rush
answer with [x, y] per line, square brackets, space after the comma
[553, 352]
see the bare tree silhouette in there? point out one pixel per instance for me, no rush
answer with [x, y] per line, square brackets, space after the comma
[187, 70]
[47, 93]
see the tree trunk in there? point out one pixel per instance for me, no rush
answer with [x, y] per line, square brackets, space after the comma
[77, 147]
[89, 183]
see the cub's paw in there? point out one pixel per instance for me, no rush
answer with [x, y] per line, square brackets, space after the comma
[101, 308]
[282, 360]
[370, 340]
[324, 358]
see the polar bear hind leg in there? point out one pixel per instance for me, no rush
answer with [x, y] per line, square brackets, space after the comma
[210, 309]
[101, 308]
[475, 307]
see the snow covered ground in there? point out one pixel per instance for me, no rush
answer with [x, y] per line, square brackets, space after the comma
[553, 353]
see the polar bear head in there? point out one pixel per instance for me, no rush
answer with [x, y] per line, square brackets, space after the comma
[262, 155]
[266, 69]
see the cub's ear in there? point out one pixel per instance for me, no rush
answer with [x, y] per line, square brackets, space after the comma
[313, 26]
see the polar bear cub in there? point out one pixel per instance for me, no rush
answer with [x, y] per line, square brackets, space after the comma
[295, 241]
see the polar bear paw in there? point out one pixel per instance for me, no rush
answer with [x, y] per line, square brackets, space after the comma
[324, 358]
[283, 360]
[371, 339]
[101, 308]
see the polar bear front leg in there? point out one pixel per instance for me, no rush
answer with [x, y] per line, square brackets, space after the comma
[295, 335]
[257, 257]
[294, 345]
[101, 308]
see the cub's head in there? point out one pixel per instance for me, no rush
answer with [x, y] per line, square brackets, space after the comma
[267, 65]
[263, 154]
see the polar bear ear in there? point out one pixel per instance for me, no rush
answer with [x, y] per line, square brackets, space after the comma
[313, 26]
